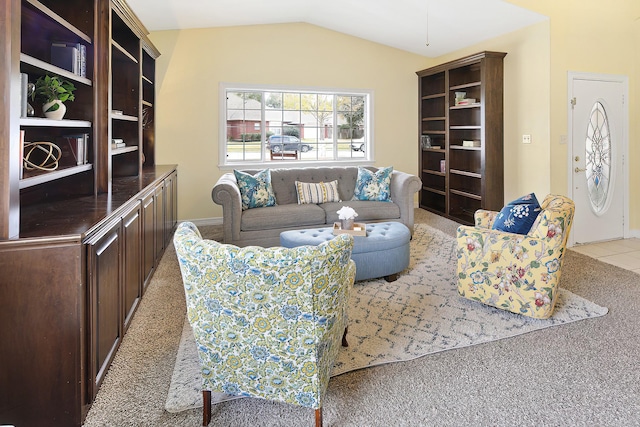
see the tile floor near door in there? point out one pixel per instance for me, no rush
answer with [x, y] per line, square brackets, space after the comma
[622, 253]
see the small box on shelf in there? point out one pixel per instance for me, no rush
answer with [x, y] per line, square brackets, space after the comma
[468, 143]
[118, 143]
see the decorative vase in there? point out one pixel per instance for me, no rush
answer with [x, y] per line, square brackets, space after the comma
[346, 224]
[56, 114]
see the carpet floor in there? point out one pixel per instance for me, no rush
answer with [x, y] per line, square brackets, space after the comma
[418, 314]
[583, 373]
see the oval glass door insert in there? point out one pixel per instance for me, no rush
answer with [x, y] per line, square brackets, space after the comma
[598, 158]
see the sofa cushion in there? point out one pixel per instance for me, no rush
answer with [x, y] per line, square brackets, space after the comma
[367, 210]
[284, 188]
[322, 192]
[256, 190]
[282, 216]
[373, 185]
[518, 216]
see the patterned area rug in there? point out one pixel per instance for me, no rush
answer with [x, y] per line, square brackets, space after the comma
[419, 314]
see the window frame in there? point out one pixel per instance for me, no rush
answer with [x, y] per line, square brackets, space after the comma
[223, 163]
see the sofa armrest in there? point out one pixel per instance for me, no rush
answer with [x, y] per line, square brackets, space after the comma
[227, 194]
[403, 187]
[484, 218]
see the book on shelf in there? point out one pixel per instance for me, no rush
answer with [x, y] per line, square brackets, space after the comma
[22, 132]
[24, 84]
[79, 147]
[70, 56]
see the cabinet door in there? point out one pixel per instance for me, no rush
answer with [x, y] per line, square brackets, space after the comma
[148, 236]
[159, 193]
[169, 203]
[42, 355]
[132, 265]
[104, 271]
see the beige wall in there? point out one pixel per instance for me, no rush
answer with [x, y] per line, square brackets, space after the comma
[526, 107]
[594, 37]
[582, 36]
[193, 62]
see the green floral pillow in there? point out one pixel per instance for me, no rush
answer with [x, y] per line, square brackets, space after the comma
[256, 190]
[373, 185]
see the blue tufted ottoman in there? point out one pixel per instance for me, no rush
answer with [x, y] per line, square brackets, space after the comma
[384, 252]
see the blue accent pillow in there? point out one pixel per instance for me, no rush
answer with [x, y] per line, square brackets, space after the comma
[373, 185]
[256, 190]
[518, 216]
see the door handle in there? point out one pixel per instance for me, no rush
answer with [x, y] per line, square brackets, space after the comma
[578, 170]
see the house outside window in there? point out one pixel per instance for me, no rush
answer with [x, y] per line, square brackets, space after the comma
[263, 125]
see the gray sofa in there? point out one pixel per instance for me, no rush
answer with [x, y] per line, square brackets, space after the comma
[262, 226]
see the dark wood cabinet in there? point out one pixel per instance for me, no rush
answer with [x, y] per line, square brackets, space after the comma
[105, 289]
[68, 299]
[461, 136]
[42, 329]
[160, 220]
[148, 236]
[133, 239]
[78, 238]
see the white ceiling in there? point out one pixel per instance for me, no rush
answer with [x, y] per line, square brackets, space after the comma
[448, 25]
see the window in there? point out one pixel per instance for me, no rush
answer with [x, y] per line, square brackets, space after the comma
[263, 125]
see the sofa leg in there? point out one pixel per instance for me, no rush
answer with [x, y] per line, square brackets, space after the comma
[344, 337]
[391, 277]
[319, 417]
[206, 407]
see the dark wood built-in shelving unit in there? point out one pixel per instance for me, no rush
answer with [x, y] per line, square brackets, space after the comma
[457, 180]
[79, 243]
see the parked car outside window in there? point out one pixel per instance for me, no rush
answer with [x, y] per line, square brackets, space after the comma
[279, 143]
[357, 146]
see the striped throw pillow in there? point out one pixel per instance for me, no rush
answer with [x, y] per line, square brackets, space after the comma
[321, 192]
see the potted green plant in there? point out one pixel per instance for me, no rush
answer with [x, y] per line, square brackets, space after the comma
[54, 92]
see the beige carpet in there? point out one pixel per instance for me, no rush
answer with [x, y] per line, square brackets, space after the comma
[580, 374]
[421, 313]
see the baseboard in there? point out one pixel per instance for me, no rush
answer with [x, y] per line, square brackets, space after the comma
[204, 221]
[634, 234]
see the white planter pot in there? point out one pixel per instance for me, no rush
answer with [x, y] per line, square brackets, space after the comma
[56, 114]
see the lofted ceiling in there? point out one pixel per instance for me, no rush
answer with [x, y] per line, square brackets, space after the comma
[447, 25]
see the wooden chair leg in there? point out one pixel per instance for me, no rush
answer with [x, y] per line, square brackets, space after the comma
[206, 407]
[319, 417]
[344, 337]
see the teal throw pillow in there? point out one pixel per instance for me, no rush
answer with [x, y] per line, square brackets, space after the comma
[519, 215]
[256, 190]
[373, 185]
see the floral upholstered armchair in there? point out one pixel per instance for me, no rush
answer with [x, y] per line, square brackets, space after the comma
[514, 272]
[267, 321]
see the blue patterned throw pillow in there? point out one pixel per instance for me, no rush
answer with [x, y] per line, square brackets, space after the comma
[373, 185]
[519, 215]
[256, 190]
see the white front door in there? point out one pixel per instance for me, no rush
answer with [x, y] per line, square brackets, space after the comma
[597, 176]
